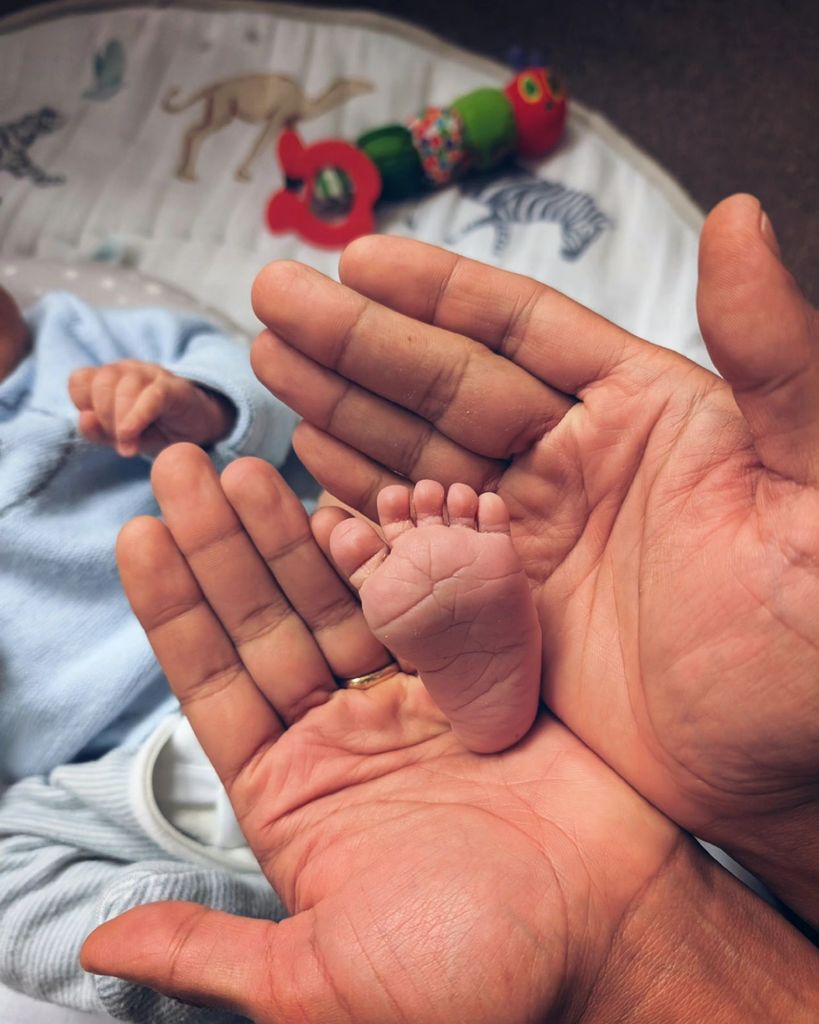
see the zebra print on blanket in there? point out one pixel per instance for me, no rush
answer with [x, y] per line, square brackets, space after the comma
[527, 199]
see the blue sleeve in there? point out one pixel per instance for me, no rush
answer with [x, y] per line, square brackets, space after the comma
[70, 333]
[197, 351]
[263, 425]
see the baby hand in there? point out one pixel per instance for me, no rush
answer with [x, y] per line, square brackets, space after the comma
[137, 407]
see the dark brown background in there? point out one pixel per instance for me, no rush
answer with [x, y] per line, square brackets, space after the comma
[724, 95]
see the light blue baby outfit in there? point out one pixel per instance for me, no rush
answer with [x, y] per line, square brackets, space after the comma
[77, 676]
[78, 680]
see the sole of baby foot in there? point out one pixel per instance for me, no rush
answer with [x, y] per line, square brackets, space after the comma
[445, 591]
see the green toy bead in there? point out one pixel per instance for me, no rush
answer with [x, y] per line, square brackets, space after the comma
[392, 152]
[489, 126]
[333, 194]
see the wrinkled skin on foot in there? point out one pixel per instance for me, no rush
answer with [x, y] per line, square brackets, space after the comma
[450, 597]
[668, 519]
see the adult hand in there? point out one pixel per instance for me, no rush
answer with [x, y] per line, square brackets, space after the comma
[668, 519]
[427, 883]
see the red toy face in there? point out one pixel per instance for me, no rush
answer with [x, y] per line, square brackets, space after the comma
[538, 99]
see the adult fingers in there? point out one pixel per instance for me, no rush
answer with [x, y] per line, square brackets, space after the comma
[352, 477]
[228, 712]
[271, 639]
[763, 336]
[555, 339]
[280, 530]
[263, 970]
[384, 432]
[460, 387]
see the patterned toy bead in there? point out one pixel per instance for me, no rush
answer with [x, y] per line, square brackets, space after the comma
[333, 193]
[438, 137]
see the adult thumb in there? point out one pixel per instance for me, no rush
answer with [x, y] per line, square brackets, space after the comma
[210, 958]
[763, 335]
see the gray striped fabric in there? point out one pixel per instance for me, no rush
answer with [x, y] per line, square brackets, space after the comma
[72, 854]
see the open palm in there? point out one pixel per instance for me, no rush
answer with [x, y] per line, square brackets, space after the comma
[408, 862]
[667, 519]
[675, 585]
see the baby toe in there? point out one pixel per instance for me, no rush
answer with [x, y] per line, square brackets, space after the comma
[357, 550]
[462, 506]
[394, 511]
[428, 502]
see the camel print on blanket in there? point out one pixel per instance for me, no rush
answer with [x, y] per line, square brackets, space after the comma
[526, 199]
[17, 137]
[272, 101]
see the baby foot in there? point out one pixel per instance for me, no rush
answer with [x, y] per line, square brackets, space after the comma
[447, 594]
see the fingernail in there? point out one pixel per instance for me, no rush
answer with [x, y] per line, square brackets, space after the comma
[768, 234]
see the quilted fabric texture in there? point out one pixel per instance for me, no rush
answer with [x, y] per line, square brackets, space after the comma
[146, 136]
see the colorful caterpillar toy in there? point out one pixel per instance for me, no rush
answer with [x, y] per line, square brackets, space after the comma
[332, 186]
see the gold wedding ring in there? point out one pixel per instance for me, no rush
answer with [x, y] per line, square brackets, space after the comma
[371, 678]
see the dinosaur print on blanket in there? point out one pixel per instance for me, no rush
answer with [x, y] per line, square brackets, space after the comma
[527, 199]
[16, 138]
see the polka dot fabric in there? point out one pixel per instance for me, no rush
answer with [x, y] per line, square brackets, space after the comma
[102, 285]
